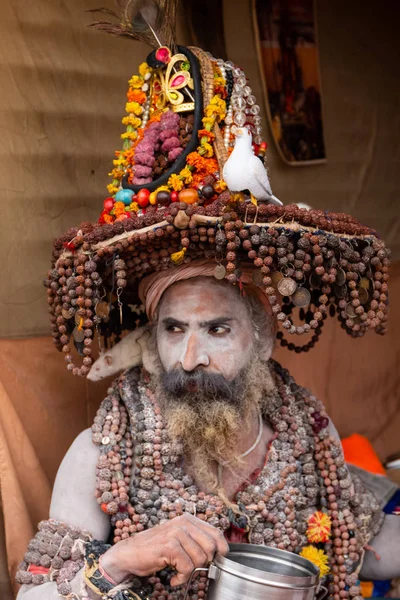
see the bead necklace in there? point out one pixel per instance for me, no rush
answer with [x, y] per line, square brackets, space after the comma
[221, 465]
[243, 109]
[141, 481]
[304, 471]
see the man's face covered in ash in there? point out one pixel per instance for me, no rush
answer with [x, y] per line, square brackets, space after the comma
[212, 379]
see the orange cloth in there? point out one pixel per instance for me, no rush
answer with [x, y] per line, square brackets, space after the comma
[152, 287]
[359, 451]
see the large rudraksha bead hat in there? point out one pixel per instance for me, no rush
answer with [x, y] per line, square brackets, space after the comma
[190, 182]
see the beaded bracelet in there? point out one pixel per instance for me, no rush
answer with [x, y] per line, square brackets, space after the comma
[97, 580]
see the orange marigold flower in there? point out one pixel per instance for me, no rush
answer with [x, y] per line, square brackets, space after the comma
[136, 96]
[319, 527]
[192, 158]
[203, 166]
[198, 181]
[118, 209]
[206, 134]
[211, 165]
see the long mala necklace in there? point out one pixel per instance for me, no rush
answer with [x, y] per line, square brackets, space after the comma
[142, 483]
[221, 465]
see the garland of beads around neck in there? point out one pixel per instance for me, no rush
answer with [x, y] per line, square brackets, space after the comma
[246, 453]
[277, 505]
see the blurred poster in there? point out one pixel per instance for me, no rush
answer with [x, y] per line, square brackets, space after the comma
[286, 39]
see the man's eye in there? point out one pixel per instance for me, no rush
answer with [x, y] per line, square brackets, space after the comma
[174, 329]
[219, 330]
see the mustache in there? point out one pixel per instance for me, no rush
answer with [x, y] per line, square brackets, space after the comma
[210, 386]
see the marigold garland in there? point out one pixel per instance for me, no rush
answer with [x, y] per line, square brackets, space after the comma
[208, 150]
[144, 69]
[317, 557]
[117, 173]
[216, 109]
[136, 81]
[214, 112]
[202, 166]
[136, 96]
[175, 182]
[199, 164]
[134, 107]
[208, 135]
[129, 135]
[219, 83]
[186, 175]
[118, 209]
[112, 188]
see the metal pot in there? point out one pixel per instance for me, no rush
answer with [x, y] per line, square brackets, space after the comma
[251, 572]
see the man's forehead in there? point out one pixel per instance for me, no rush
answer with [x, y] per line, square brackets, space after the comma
[201, 299]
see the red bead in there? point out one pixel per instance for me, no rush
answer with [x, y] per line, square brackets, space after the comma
[108, 204]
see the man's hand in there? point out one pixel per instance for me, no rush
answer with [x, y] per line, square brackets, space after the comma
[184, 543]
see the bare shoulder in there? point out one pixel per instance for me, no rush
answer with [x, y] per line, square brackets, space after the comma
[333, 431]
[73, 500]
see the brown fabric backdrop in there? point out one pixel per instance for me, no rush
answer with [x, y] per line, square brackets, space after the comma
[62, 99]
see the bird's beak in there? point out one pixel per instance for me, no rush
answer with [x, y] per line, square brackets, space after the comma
[239, 132]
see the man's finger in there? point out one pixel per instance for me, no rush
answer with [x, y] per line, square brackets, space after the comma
[182, 563]
[207, 542]
[222, 546]
[192, 547]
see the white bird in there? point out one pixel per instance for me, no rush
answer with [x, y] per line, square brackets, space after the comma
[245, 171]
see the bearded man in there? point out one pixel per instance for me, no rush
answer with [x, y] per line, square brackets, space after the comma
[216, 442]
[204, 439]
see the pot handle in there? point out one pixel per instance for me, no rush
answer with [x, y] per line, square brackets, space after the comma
[322, 593]
[189, 583]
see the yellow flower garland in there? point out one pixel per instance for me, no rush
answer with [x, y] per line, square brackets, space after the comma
[144, 69]
[112, 188]
[133, 108]
[175, 182]
[214, 112]
[132, 122]
[216, 109]
[136, 81]
[186, 175]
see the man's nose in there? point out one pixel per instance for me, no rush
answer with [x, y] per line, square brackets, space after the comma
[194, 355]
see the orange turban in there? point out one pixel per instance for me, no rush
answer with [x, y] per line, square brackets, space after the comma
[152, 287]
